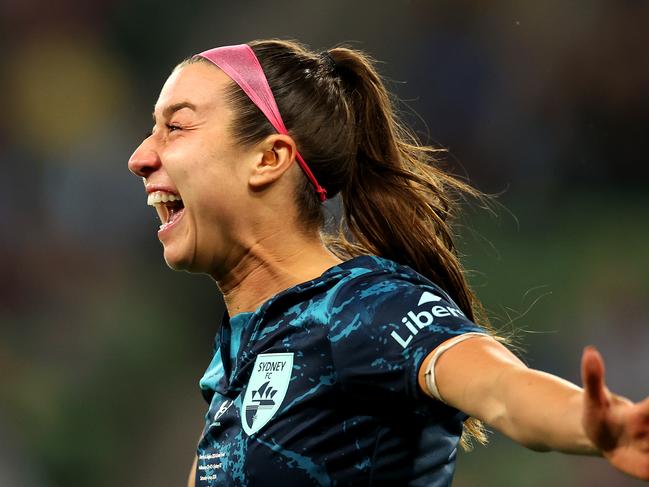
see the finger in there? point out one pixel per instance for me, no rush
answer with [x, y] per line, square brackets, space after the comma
[592, 376]
[644, 407]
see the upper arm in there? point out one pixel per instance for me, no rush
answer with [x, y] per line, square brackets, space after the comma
[471, 376]
[541, 411]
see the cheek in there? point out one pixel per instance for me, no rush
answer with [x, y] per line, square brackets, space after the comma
[214, 183]
[218, 203]
[223, 186]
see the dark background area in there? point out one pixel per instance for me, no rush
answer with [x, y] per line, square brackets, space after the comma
[101, 346]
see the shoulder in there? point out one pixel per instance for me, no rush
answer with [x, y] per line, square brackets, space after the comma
[393, 299]
[384, 321]
[381, 281]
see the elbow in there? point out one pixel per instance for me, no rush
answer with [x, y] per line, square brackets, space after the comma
[537, 447]
[529, 441]
[516, 429]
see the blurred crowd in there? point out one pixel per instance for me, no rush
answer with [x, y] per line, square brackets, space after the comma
[101, 347]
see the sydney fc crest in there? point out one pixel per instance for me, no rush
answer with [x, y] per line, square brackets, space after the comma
[266, 389]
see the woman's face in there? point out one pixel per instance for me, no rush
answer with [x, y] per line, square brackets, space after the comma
[194, 174]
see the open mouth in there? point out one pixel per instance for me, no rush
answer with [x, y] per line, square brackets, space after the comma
[169, 206]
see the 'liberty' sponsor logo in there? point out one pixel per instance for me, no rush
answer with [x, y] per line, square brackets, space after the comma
[266, 389]
[414, 322]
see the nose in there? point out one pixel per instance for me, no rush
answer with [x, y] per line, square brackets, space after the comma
[144, 161]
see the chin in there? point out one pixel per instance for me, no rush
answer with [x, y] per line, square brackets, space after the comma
[178, 261]
[184, 262]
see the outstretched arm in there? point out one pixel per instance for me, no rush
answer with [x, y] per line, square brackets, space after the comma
[541, 411]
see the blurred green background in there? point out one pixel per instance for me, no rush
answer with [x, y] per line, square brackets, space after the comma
[101, 346]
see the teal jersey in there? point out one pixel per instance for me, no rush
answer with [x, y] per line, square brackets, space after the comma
[319, 386]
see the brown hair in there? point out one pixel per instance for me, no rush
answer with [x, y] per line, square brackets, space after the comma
[396, 203]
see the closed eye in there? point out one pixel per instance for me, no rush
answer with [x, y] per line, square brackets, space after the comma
[170, 128]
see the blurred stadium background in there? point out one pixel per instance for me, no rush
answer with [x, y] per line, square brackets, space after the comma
[101, 347]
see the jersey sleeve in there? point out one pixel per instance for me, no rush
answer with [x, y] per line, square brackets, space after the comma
[381, 330]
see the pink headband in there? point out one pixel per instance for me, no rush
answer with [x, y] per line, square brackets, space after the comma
[240, 63]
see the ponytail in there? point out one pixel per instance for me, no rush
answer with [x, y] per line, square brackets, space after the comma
[397, 204]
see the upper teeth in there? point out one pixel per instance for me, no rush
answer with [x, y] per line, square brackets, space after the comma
[158, 197]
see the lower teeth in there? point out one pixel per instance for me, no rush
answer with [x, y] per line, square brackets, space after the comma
[172, 217]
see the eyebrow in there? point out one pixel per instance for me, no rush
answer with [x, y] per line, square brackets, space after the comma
[171, 109]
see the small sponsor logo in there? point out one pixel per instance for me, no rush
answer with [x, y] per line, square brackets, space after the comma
[266, 389]
[224, 407]
[428, 298]
[413, 321]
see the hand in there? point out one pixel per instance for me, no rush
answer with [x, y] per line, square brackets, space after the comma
[615, 425]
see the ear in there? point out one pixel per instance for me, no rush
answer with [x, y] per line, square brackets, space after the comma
[276, 156]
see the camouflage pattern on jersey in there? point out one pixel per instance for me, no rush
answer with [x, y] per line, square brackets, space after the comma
[319, 385]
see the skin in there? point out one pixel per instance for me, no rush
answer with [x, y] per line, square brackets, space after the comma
[240, 226]
[240, 222]
[541, 411]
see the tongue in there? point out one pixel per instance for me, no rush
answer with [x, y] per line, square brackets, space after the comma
[174, 213]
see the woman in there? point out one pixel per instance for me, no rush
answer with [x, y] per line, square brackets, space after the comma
[360, 359]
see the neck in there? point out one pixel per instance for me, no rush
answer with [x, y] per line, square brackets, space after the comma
[266, 269]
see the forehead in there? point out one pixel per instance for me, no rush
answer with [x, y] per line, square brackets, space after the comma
[200, 84]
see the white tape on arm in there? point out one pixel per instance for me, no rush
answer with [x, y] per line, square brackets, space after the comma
[430, 369]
